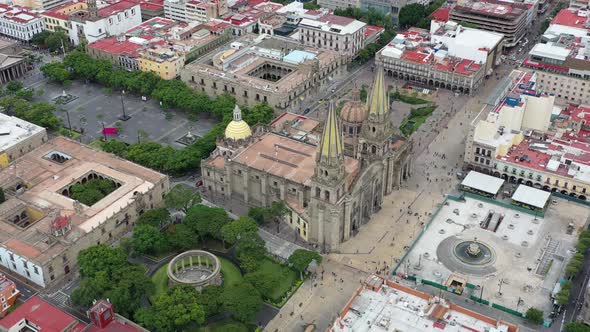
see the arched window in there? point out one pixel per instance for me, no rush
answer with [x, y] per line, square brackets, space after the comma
[317, 192]
[373, 149]
[327, 195]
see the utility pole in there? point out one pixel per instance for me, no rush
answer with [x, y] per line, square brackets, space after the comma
[69, 123]
[123, 117]
[104, 133]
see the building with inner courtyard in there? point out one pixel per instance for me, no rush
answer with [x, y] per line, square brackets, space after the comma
[331, 187]
[18, 137]
[42, 228]
[255, 69]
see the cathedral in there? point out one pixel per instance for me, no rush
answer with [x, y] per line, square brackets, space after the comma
[332, 176]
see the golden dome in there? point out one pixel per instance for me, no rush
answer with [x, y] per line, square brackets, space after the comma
[237, 129]
[354, 112]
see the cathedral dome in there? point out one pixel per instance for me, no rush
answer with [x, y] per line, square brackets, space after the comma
[354, 111]
[237, 129]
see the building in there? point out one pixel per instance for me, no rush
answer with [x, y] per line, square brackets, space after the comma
[150, 8]
[382, 305]
[43, 229]
[194, 10]
[19, 23]
[511, 19]
[561, 60]
[161, 61]
[579, 3]
[524, 138]
[57, 18]
[95, 23]
[141, 48]
[412, 56]
[339, 4]
[341, 34]
[38, 315]
[8, 294]
[330, 192]
[17, 138]
[257, 69]
[39, 5]
[13, 64]
[483, 47]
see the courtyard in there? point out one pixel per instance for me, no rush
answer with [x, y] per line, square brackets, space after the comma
[495, 253]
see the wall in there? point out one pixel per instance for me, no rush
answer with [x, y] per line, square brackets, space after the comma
[16, 263]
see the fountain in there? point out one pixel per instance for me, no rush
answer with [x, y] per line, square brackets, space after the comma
[473, 252]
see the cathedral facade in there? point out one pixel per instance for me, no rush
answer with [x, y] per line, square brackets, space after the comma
[333, 177]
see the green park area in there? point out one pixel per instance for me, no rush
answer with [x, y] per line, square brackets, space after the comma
[416, 118]
[412, 100]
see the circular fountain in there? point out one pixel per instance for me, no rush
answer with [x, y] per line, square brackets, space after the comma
[473, 252]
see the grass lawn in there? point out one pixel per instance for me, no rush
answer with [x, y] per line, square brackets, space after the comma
[408, 99]
[416, 118]
[231, 276]
[288, 278]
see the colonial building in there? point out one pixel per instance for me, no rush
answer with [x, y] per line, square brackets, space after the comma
[330, 189]
[42, 228]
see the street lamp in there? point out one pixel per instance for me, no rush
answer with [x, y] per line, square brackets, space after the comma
[123, 117]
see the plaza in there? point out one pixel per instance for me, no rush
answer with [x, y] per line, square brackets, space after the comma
[515, 266]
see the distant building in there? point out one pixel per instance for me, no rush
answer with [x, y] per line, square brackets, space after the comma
[258, 69]
[58, 17]
[43, 229]
[19, 23]
[93, 23]
[39, 4]
[561, 61]
[141, 48]
[341, 34]
[339, 4]
[8, 294]
[37, 315]
[17, 138]
[189, 11]
[508, 18]
[13, 64]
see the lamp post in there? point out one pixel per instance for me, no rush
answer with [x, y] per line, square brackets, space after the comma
[124, 116]
[104, 133]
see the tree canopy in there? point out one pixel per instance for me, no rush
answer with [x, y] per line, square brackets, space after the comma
[250, 250]
[577, 327]
[92, 191]
[301, 258]
[148, 239]
[534, 316]
[182, 197]
[237, 228]
[154, 217]
[206, 221]
[100, 258]
[173, 311]
[243, 301]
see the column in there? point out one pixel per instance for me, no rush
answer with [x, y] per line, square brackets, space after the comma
[347, 228]
[199, 260]
[191, 261]
[245, 178]
[282, 190]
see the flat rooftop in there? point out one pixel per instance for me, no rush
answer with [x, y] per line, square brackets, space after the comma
[14, 131]
[45, 179]
[482, 182]
[572, 18]
[492, 8]
[287, 158]
[298, 127]
[385, 306]
[531, 196]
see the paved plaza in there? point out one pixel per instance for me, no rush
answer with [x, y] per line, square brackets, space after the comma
[522, 259]
[95, 106]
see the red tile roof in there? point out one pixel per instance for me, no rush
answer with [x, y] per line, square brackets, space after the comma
[441, 14]
[113, 46]
[372, 30]
[569, 18]
[115, 8]
[43, 314]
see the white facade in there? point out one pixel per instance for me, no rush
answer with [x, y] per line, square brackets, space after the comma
[114, 24]
[18, 23]
[339, 34]
[20, 265]
[175, 10]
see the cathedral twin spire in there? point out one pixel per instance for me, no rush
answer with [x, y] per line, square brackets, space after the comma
[331, 151]
[378, 99]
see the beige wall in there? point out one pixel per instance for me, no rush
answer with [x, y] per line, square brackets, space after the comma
[566, 89]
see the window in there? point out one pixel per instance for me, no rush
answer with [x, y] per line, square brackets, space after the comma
[25, 264]
[11, 256]
[36, 270]
[476, 159]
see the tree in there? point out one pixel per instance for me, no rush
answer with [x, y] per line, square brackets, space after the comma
[154, 217]
[242, 300]
[232, 231]
[206, 221]
[264, 281]
[577, 327]
[534, 316]
[210, 299]
[100, 258]
[259, 114]
[311, 5]
[301, 258]
[250, 251]
[148, 239]
[260, 214]
[181, 237]
[56, 40]
[118, 148]
[173, 311]
[181, 197]
[39, 39]
[2, 197]
[14, 86]
[411, 15]
[56, 71]
[128, 286]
